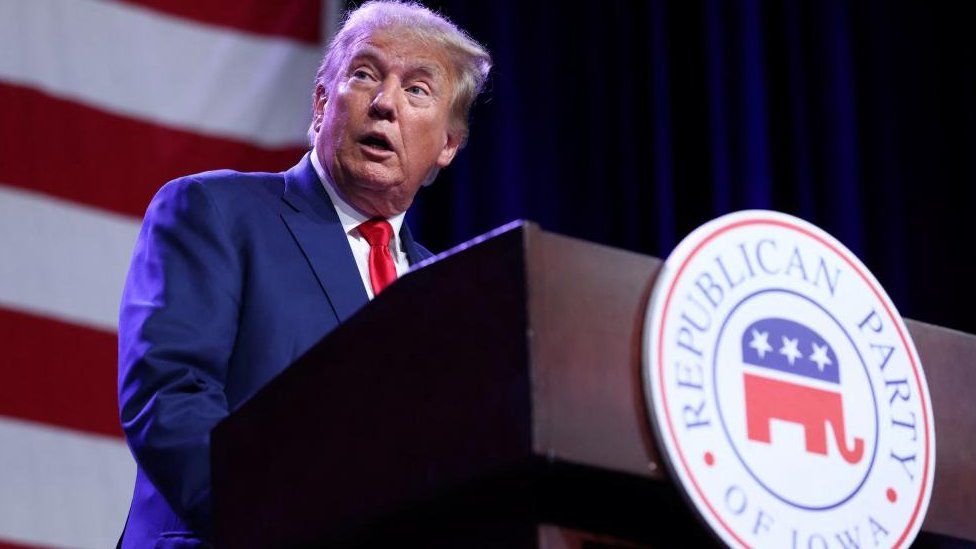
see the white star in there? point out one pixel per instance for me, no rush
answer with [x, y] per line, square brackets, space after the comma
[760, 342]
[789, 349]
[819, 356]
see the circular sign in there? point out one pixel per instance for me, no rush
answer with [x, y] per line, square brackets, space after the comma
[786, 395]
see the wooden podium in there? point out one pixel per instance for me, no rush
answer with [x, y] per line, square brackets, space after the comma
[493, 399]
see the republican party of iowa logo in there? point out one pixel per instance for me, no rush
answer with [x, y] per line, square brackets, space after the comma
[785, 392]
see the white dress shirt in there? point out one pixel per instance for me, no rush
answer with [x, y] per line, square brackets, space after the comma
[350, 218]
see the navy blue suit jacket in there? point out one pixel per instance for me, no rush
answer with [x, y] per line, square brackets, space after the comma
[233, 277]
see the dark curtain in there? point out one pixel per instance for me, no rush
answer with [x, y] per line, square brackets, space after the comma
[630, 124]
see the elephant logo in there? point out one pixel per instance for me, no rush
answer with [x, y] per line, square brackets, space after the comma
[804, 389]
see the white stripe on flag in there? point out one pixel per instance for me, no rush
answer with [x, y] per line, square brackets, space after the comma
[83, 484]
[132, 61]
[61, 259]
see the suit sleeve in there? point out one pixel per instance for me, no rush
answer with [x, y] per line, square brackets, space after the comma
[177, 326]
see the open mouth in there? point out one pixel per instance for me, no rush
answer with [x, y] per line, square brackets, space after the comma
[377, 141]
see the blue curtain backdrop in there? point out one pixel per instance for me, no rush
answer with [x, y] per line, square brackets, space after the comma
[630, 124]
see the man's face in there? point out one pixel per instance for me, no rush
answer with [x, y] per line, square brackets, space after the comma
[385, 125]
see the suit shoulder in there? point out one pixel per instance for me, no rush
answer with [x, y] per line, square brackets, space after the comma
[227, 189]
[234, 182]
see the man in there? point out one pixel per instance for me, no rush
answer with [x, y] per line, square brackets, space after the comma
[236, 275]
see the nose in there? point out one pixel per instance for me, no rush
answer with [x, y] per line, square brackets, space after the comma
[384, 101]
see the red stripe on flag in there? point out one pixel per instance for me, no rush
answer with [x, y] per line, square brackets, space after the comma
[109, 161]
[10, 545]
[58, 373]
[297, 19]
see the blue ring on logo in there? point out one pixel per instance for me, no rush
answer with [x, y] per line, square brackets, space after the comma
[725, 429]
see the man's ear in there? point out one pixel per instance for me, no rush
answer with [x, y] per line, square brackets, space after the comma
[450, 149]
[318, 106]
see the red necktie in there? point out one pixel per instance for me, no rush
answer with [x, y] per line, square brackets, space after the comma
[382, 270]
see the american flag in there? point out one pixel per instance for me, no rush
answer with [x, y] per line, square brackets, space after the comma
[101, 102]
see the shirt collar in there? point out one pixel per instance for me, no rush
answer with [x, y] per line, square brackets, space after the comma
[350, 217]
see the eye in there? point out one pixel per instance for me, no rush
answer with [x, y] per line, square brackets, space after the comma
[362, 74]
[417, 89]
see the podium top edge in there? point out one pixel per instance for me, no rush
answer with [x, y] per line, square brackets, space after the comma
[515, 225]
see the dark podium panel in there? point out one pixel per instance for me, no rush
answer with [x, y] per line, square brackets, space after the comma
[493, 399]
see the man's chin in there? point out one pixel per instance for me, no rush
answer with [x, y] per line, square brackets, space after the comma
[383, 208]
[380, 186]
[379, 197]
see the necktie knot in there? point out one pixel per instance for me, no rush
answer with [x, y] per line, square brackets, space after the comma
[377, 232]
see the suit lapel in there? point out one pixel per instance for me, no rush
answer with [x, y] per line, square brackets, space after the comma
[315, 225]
[414, 252]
